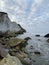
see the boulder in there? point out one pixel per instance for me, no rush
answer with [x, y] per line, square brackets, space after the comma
[37, 35]
[27, 38]
[47, 35]
[37, 52]
[10, 60]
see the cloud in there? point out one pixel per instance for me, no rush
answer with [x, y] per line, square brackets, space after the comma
[31, 12]
[2, 5]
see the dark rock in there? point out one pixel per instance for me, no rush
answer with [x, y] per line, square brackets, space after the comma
[37, 35]
[47, 35]
[48, 40]
[1, 57]
[37, 52]
[27, 38]
[31, 47]
[3, 12]
[1, 34]
[22, 30]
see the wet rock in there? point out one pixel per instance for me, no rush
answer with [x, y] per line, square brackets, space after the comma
[10, 60]
[48, 40]
[37, 35]
[27, 38]
[37, 52]
[47, 35]
[31, 47]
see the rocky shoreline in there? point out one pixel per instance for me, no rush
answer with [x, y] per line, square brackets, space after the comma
[12, 49]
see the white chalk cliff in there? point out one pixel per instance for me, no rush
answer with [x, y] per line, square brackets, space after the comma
[6, 24]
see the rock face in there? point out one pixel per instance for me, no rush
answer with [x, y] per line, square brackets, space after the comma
[7, 25]
[47, 35]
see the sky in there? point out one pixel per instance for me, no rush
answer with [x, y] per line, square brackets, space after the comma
[33, 15]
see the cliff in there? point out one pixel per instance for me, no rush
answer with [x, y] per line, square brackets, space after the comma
[7, 25]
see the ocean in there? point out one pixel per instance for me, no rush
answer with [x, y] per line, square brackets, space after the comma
[39, 44]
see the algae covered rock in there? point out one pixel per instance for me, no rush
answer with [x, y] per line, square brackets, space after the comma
[10, 60]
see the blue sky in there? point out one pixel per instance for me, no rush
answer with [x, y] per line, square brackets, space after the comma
[31, 14]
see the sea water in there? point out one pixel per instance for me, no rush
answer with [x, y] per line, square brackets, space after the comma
[39, 44]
